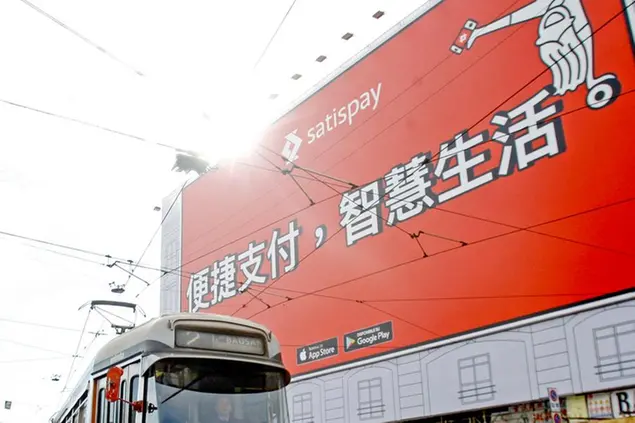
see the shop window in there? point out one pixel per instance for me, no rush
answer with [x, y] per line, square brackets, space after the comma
[303, 408]
[615, 351]
[475, 379]
[370, 399]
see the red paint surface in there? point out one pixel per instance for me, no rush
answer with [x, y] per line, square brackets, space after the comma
[577, 205]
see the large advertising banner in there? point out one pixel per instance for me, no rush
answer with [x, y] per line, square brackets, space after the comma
[474, 169]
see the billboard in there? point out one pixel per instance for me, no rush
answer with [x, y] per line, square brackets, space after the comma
[474, 169]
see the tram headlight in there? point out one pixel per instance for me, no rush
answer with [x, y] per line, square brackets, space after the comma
[244, 344]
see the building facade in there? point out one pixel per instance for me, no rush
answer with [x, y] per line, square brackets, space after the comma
[477, 288]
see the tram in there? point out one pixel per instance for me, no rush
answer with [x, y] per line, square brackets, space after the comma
[184, 368]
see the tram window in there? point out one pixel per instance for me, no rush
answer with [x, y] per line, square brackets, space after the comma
[82, 413]
[120, 404]
[100, 405]
[134, 388]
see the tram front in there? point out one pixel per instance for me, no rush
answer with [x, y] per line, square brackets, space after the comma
[216, 372]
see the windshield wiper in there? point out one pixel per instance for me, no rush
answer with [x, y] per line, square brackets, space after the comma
[198, 379]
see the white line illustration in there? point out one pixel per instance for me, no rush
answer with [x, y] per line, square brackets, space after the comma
[565, 42]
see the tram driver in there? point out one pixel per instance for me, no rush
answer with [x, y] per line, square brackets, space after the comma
[223, 411]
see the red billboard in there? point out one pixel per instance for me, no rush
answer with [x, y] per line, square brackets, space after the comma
[474, 169]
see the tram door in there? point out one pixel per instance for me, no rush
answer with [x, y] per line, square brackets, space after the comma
[119, 412]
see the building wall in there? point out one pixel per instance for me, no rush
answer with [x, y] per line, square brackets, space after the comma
[581, 352]
[171, 253]
[588, 351]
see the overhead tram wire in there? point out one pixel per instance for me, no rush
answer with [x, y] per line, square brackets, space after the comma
[79, 343]
[362, 122]
[450, 144]
[76, 249]
[42, 325]
[179, 269]
[35, 347]
[86, 123]
[284, 18]
[410, 234]
[147, 247]
[82, 37]
[416, 82]
[134, 136]
[448, 250]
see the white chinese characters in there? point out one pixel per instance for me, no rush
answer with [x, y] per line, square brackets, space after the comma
[527, 133]
[522, 136]
[235, 273]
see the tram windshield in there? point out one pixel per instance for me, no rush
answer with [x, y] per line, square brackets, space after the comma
[217, 391]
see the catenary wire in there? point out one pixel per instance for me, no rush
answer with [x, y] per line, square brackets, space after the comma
[79, 343]
[408, 88]
[165, 216]
[82, 37]
[28, 360]
[180, 272]
[179, 269]
[35, 347]
[416, 82]
[70, 248]
[275, 33]
[527, 84]
[42, 325]
[173, 147]
[76, 249]
[432, 298]
[119, 132]
[86, 123]
[480, 241]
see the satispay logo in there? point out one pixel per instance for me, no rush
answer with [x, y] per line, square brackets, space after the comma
[565, 42]
[338, 117]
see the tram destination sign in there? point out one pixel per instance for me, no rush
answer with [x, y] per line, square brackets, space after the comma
[367, 337]
[317, 351]
[220, 342]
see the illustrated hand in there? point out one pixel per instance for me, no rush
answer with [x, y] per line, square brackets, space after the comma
[562, 50]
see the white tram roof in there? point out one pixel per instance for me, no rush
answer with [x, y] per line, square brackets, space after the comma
[155, 334]
[152, 335]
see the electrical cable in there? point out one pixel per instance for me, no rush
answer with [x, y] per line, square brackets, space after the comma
[480, 241]
[42, 325]
[418, 80]
[275, 171]
[53, 244]
[425, 163]
[411, 86]
[80, 36]
[432, 299]
[284, 18]
[79, 343]
[35, 347]
[29, 360]
[180, 272]
[71, 248]
[379, 216]
[408, 88]
[179, 269]
[86, 123]
[145, 250]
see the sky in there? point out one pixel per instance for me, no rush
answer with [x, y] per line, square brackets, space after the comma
[187, 74]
